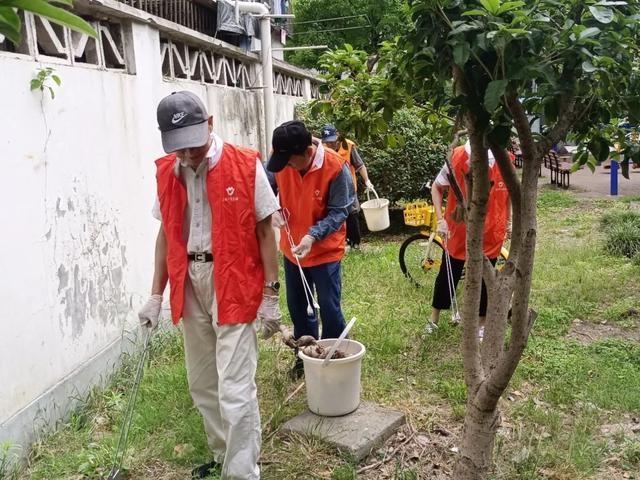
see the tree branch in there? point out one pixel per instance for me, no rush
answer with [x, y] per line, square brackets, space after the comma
[475, 219]
[452, 178]
[514, 186]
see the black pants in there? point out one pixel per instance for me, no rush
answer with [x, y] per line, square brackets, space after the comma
[353, 229]
[441, 294]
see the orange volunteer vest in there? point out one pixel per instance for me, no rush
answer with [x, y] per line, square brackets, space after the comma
[345, 153]
[306, 200]
[237, 268]
[496, 222]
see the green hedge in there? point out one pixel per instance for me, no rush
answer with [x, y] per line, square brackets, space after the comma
[398, 172]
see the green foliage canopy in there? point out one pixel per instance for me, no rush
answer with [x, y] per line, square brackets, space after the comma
[573, 63]
[11, 24]
[370, 23]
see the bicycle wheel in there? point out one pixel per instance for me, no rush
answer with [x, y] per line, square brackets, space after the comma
[420, 259]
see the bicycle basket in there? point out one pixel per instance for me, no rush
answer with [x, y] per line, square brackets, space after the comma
[417, 214]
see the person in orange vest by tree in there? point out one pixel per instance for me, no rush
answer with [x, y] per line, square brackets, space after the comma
[316, 191]
[217, 250]
[349, 152]
[452, 229]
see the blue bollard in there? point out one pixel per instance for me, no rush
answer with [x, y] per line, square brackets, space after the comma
[614, 178]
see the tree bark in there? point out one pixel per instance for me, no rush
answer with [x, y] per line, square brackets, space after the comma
[476, 450]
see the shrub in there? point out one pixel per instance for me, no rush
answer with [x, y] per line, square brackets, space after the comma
[398, 172]
[622, 231]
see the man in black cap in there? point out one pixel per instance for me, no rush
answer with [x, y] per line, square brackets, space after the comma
[217, 250]
[316, 190]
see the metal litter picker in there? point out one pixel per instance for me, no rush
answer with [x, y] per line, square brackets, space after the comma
[116, 470]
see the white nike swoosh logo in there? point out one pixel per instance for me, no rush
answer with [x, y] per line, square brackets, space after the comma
[177, 118]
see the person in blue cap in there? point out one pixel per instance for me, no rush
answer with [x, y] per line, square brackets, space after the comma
[348, 151]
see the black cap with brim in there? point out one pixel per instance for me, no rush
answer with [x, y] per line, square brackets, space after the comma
[278, 161]
[192, 136]
[290, 138]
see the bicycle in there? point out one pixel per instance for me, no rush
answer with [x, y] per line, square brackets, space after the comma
[421, 253]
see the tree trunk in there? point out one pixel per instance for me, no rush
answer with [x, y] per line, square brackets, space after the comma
[476, 451]
[490, 366]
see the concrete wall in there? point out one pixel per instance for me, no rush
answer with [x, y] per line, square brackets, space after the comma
[77, 246]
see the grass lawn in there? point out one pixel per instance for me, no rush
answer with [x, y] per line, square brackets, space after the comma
[571, 411]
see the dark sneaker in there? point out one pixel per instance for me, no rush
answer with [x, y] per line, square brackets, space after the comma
[203, 471]
[297, 371]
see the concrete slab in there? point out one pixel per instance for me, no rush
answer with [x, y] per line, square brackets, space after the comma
[356, 434]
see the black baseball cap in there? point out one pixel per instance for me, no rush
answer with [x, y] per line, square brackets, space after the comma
[290, 138]
[182, 120]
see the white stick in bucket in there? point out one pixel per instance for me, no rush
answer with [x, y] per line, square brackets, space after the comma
[308, 293]
[335, 346]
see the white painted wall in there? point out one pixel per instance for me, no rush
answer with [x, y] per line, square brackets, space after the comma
[77, 244]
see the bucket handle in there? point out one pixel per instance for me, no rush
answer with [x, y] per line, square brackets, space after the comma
[374, 192]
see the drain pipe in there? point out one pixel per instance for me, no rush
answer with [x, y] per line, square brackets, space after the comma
[262, 12]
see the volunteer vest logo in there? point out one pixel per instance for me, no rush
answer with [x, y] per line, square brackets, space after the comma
[230, 195]
[317, 195]
[178, 117]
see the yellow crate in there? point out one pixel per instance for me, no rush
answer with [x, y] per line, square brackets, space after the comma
[417, 214]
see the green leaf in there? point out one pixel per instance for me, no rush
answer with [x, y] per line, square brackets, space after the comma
[35, 84]
[53, 94]
[588, 67]
[599, 148]
[492, 6]
[461, 53]
[581, 159]
[602, 14]
[56, 79]
[479, 13]
[494, 91]
[633, 105]
[508, 6]
[392, 141]
[10, 33]
[9, 17]
[55, 14]
[589, 32]
[624, 168]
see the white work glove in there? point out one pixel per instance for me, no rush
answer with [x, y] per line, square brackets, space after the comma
[369, 185]
[304, 247]
[442, 229]
[509, 230]
[150, 313]
[269, 316]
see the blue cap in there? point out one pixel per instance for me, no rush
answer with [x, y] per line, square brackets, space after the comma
[329, 133]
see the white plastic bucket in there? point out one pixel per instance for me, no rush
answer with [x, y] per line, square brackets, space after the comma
[334, 390]
[376, 212]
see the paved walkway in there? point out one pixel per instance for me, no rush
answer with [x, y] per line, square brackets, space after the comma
[597, 184]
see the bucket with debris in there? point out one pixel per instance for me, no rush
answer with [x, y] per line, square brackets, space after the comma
[333, 390]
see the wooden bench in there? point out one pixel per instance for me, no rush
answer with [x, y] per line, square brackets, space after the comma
[559, 168]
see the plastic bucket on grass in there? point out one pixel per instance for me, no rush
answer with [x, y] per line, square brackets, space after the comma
[376, 212]
[334, 390]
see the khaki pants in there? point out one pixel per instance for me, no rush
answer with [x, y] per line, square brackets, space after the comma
[221, 367]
